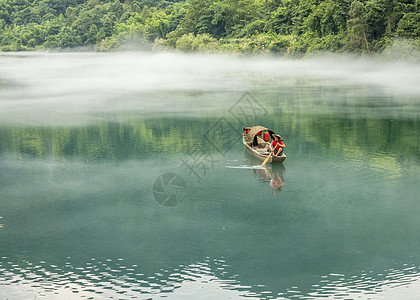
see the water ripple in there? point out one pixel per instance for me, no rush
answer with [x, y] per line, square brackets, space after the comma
[108, 278]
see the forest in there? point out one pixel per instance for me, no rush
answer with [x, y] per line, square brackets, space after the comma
[282, 27]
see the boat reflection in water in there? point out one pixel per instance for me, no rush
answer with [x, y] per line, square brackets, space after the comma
[273, 174]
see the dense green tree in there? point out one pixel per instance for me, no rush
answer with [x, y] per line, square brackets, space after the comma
[117, 9]
[84, 22]
[25, 16]
[380, 17]
[253, 26]
[281, 19]
[328, 17]
[67, 38]
[92, 36]
[197, 19]
[5, 12]
[357, 36]
[409, 25]
[54, 7]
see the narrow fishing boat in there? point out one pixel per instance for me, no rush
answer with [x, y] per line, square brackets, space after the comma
[260, 147]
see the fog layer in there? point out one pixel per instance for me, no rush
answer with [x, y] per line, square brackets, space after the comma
[64, 87]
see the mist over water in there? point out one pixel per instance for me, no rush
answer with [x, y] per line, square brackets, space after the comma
[84, 137]
[68, 88]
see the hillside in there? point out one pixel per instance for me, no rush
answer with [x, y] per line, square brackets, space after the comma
[291, 27]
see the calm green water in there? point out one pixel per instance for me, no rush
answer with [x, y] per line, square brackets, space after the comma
[85, 139]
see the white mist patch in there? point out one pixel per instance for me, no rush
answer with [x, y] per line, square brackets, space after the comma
[78, 88]
[256, 167]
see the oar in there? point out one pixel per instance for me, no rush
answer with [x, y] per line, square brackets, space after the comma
[266, 160]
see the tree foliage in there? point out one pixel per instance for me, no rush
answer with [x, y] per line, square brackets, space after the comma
[252, 26]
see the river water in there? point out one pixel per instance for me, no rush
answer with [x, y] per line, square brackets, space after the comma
[124, 176]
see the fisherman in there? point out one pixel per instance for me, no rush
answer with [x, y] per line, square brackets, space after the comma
[277, 145]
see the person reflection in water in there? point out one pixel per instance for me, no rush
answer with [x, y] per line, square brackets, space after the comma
[276, 181]
[277, 146]
[272, 175]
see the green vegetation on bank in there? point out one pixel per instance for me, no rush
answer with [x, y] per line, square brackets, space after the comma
[293, 27]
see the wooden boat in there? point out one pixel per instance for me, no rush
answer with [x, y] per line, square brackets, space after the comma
[256, 146]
